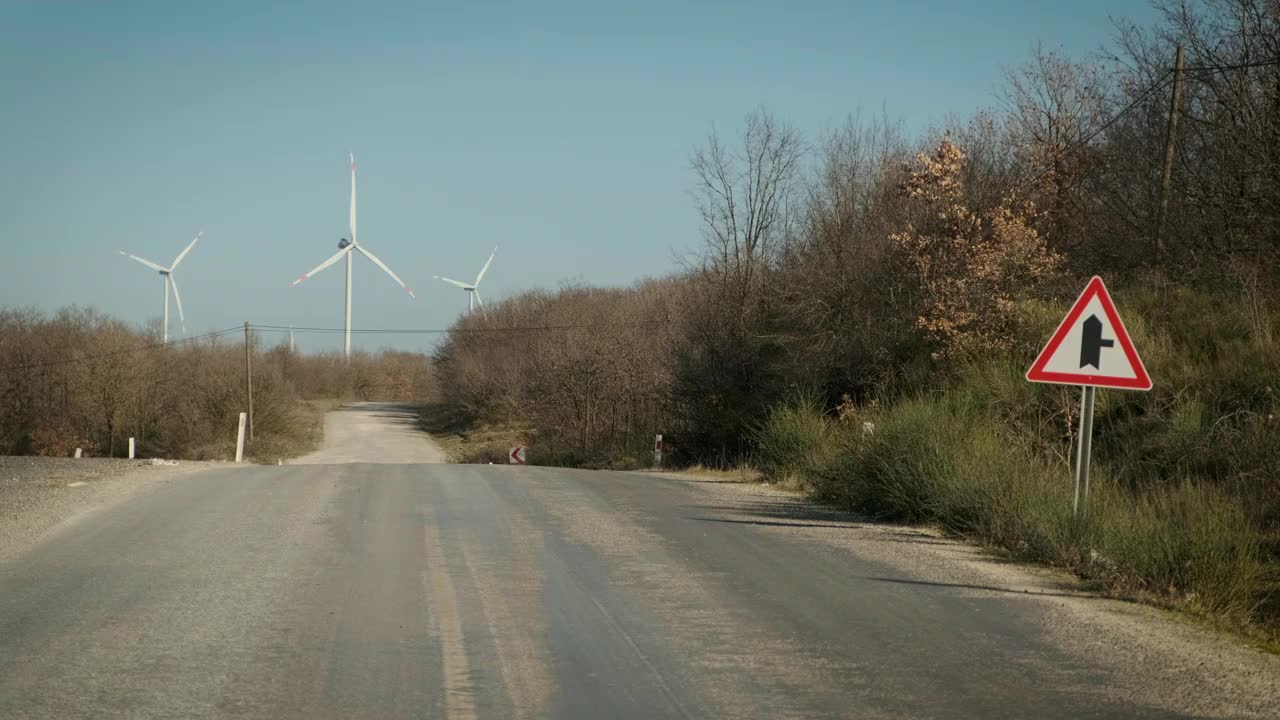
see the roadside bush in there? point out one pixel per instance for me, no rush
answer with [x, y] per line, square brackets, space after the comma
[795, 442]
[1189, 542]
[588, 370]
[51, 442]
[930, 285]
[925, 462]
[1214, 413]
[82, 379]
[928, 460]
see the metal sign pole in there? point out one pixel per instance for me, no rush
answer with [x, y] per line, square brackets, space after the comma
[1082, 455]
[1100, 354]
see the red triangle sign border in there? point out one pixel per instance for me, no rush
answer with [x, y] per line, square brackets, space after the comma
[1095, 288]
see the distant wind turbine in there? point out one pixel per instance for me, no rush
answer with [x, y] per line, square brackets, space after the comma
[473, 288]
[348, 247]
[169, 281]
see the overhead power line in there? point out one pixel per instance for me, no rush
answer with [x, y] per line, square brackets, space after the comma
[1155, 86]
[1204, 72]
[445, 331]
[1240, 66]
[1142, 97]
[123, 351]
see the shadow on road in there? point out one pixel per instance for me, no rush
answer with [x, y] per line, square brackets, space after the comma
[797, 510]
[785, 513]
[991, 588]
[769, 523]
[398, 413]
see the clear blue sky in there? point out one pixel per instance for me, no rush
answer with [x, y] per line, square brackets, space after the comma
[559, 131]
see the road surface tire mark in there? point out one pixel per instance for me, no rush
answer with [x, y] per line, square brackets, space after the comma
[445, 622]
[733, 654]
[635, 648]
[509, 605]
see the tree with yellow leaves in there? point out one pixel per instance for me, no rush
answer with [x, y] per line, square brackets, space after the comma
[969, 266]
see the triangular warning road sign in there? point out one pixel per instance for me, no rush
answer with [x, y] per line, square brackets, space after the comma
[1091, 347]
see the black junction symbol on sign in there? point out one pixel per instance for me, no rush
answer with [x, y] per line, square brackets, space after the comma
[1092, 343]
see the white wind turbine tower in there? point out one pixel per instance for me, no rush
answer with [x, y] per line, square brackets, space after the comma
[472, 288]
[169, 281]
[347, 248]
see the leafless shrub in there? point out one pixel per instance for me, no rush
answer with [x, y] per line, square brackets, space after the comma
[81, 379]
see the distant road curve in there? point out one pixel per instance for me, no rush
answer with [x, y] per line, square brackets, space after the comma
[369, 432]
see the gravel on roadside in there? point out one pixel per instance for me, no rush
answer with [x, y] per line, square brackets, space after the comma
[1219, 675]
[38, 493]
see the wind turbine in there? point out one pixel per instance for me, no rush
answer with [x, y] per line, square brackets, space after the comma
[347, 248]
[473, 292]
[167, 274]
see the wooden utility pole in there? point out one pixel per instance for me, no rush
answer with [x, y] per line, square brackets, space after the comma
[1162, 211]
[248, 374]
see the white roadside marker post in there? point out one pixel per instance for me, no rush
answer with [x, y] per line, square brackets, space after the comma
[240, 438]
[131, 448]
[657, 450]
[79, 452]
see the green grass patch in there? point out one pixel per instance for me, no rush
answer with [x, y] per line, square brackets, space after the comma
[1186, 544]
[795, 443]
[737, 474]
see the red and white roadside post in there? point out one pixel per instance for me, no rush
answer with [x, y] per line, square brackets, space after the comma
[657, 450]
[1091, 349]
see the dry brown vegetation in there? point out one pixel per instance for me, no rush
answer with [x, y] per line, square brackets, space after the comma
[82, 379]
[909, 282]
[866, 263]
[587, 369]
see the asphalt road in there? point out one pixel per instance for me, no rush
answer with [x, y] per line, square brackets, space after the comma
[449, 591]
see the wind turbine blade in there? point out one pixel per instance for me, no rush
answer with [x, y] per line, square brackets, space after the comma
[485, 269]
[185, 251]
[387, 270]
[478, 300]
[451, 281]
[353, 200]
[336, 257]
[173, 282]
[148, 263]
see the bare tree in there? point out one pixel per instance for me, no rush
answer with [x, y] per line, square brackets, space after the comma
[743, 193]
[1054, 109]
[1225, 202]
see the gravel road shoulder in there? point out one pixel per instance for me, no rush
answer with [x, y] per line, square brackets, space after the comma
[1170, 662]
[42, 495]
